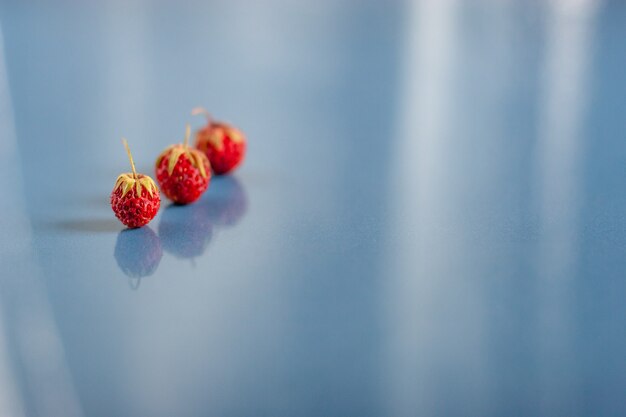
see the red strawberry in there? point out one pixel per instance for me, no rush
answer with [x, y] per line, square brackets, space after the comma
[183, 173]
[135, 199]
[224, 145]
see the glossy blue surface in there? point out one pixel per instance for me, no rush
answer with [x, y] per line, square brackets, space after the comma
[430, 221]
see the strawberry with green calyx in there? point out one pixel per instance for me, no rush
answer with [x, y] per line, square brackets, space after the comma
[224, 145]
[183, 173]
[135, 198]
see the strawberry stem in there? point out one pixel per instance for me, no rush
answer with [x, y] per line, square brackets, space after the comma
[130, 157]
[201, 110]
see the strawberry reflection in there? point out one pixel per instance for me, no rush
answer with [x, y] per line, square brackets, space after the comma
[138, 253]
[227, 201]
[186, 230]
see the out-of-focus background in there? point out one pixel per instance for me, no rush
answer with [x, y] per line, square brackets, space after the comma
[431, 219]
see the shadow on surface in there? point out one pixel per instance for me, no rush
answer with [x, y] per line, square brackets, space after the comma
[89, 226]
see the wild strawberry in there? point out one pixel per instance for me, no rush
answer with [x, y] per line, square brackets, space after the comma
[135, 199]
[183, 173]
[224, 145]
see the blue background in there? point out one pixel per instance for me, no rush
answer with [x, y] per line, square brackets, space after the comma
[431, 219]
